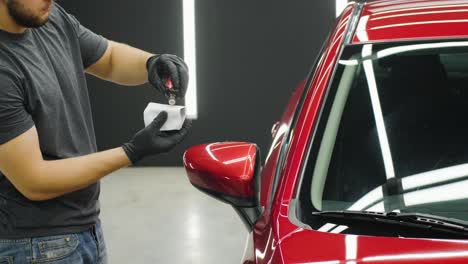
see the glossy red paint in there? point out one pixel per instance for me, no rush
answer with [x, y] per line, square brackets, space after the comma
[226, 168]
[412, 19]
[306, 246]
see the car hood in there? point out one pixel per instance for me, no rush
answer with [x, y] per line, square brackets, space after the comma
[308, 246]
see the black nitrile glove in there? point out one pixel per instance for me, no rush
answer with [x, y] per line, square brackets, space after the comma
[150, 140]
[164, 67]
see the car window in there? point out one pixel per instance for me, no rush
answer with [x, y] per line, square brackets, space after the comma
[393, 135]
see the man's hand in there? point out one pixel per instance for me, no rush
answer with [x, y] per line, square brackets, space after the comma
[150, 140]
[166, 67]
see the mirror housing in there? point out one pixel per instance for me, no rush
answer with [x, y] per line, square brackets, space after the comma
[228, 172]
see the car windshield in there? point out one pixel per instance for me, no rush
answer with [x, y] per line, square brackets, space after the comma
[393, 133]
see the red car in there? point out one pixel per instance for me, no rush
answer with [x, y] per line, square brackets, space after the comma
[369, 162]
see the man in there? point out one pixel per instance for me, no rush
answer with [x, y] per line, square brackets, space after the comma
[49, 167]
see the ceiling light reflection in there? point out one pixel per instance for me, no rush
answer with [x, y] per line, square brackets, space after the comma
[377, 109]
[377, 208]
[323, 262]
[420, 8]
[422, 23]
[447, 192]
[435, 176]
[208, 150]
[235, 160]
[361, 31]
[368, 199]
[351, 248]
[349, 62]
[450, 11]
[401, 49]
[339, 229]
[327, 227]
[418, 196]
[441, 255]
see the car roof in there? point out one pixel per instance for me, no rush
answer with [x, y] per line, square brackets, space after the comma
[393, 20]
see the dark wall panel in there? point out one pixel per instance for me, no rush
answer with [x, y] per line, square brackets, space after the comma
[251, 55]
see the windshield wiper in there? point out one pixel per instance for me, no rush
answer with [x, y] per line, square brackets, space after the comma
[417, 220]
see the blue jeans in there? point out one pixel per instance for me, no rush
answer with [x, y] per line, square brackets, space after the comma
[81, 248]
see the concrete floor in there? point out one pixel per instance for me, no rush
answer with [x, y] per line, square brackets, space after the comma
[154, 215]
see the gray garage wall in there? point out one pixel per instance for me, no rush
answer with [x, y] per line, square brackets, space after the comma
[251, 55]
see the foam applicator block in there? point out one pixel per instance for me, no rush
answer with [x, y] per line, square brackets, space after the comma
[175, 115]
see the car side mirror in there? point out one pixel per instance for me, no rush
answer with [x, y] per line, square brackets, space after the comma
[227, 171]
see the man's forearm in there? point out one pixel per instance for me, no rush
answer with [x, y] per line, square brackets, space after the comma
[123, 64]
[57, 177]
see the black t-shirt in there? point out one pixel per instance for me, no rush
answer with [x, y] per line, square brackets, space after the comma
[43, 84]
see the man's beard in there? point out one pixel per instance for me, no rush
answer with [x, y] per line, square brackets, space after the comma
[24, 17]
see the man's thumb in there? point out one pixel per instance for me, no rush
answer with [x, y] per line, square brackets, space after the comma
[159, 120]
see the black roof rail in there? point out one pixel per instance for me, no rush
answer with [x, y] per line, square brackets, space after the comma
[354, 21]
